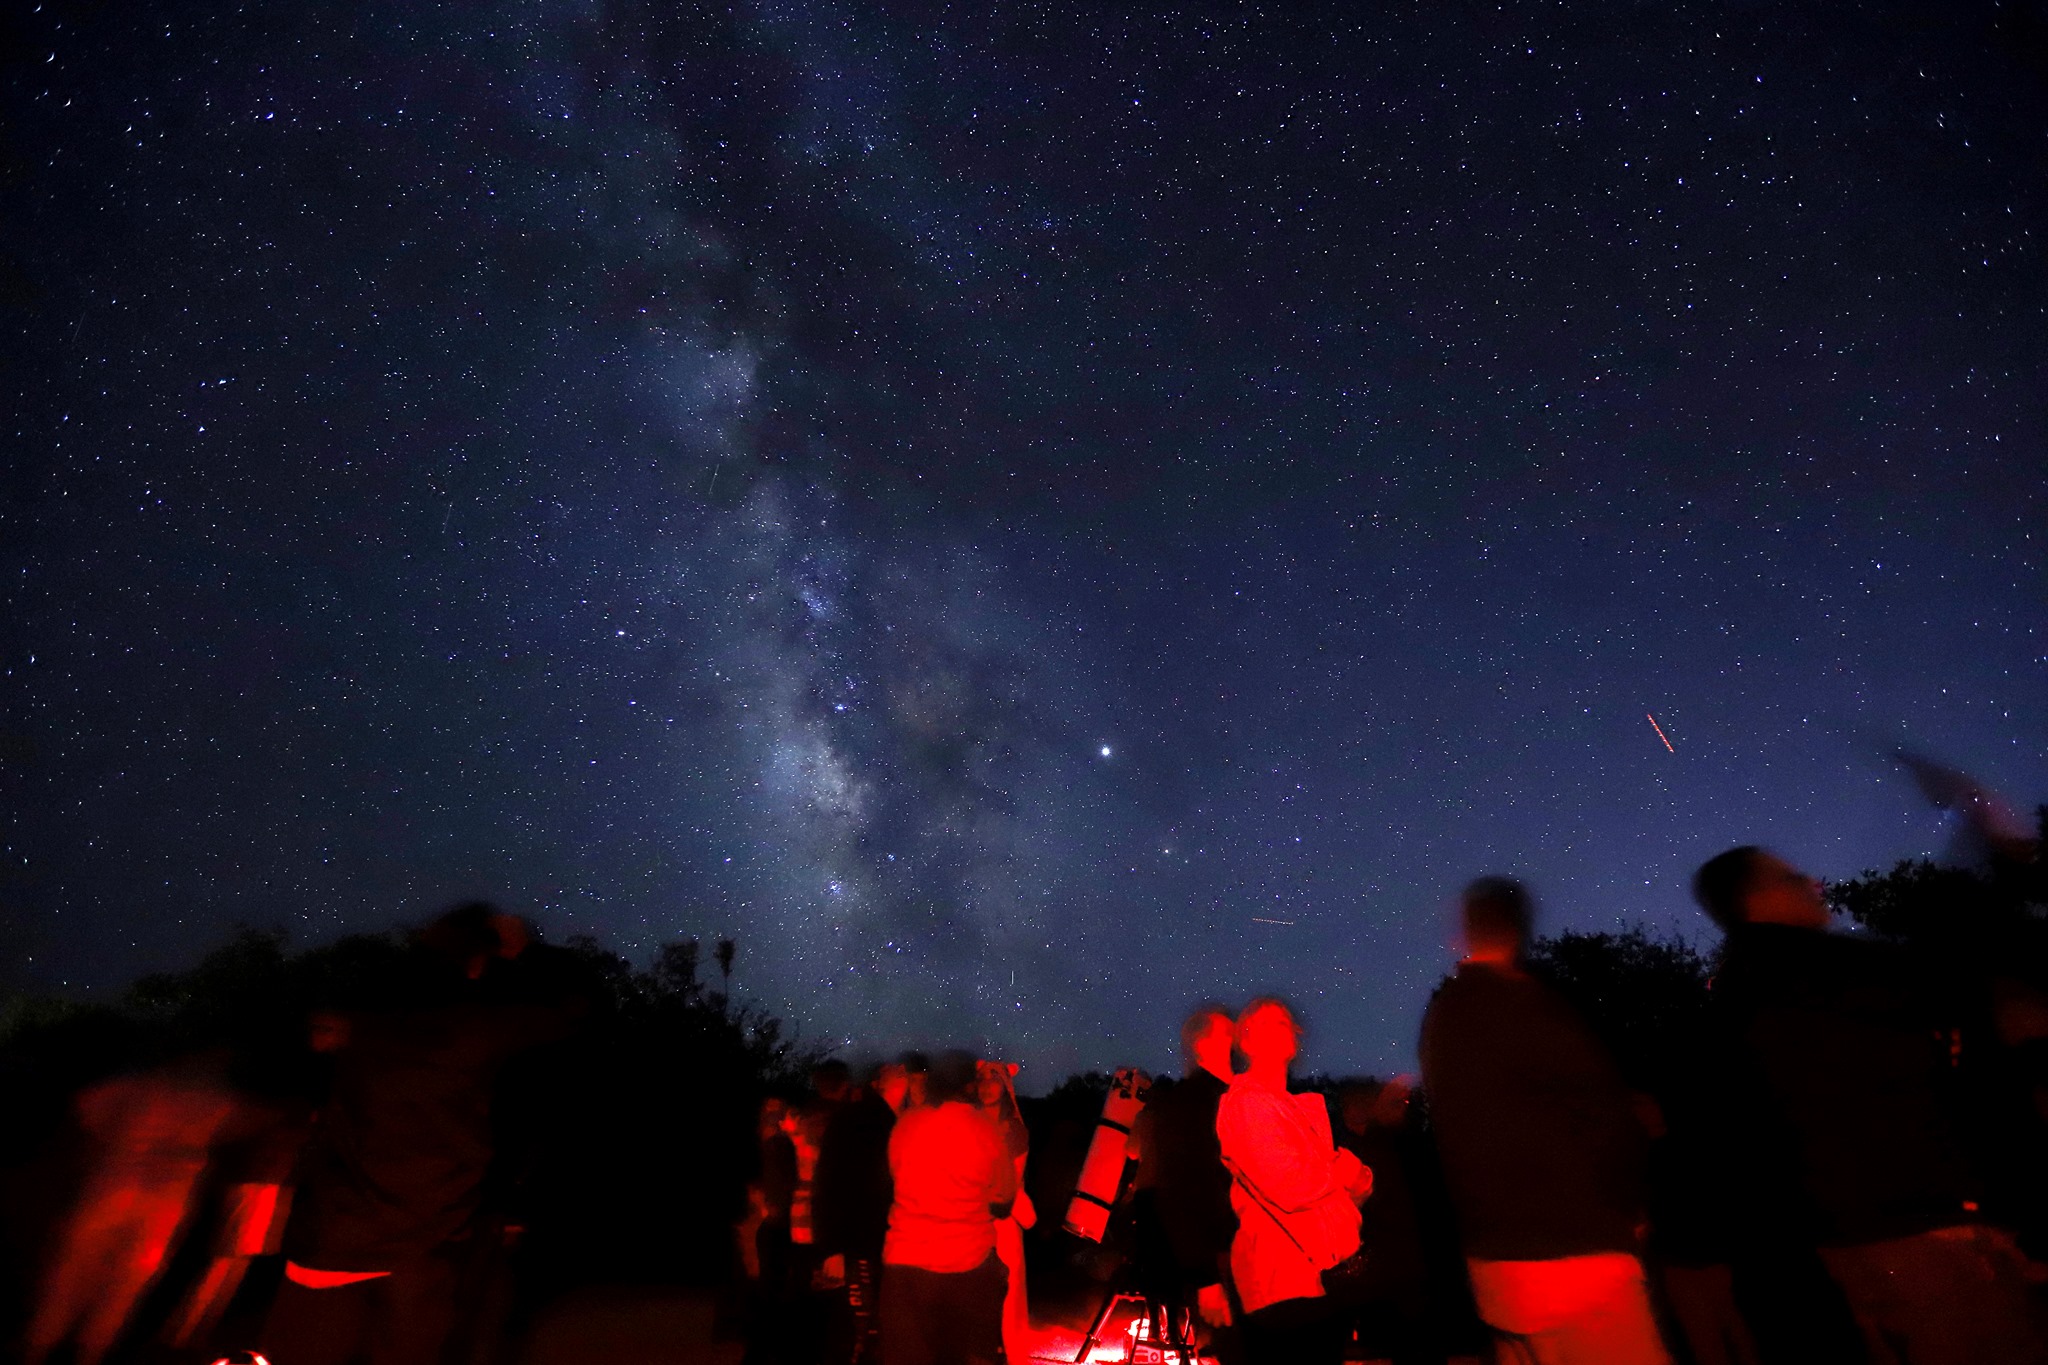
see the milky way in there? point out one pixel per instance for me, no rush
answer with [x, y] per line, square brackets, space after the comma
[1024, 518]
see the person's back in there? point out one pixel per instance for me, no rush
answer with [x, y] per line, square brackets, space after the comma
[1540, 1146]
[948, 1163]
[394, 1172]
[1852, 1058]
[1845, 1076]
[397, 1162]
[942, 1284]
[854, 1189]
[1191, 1185]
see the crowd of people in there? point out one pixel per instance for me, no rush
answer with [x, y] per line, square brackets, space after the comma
[1814, 1132]
[1809, 1163]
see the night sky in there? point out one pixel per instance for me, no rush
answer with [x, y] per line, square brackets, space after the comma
[1025, 517]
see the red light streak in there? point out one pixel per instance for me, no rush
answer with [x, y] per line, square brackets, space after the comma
[1659, 729]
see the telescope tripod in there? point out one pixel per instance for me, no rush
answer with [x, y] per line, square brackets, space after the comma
[1167, 1338]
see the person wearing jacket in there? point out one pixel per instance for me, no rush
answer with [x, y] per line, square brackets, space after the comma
[1541, 1148]
[1183, 1192]
[392, 1179]
[1845, 1057]
[1295, 1194]
[853, 1197]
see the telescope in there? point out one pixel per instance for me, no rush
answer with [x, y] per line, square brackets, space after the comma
[1103, 1169]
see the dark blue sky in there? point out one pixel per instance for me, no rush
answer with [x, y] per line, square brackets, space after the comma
[996, 505]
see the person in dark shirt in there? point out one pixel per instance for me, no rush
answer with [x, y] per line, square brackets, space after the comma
[1389, 1303]
[852, 1209]
[393, 1175]
[1183, 1196]
[1541, 1149]
[763, 1235]
[1845, 1059]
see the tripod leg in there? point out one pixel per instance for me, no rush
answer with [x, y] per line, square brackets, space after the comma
[1102, 1317]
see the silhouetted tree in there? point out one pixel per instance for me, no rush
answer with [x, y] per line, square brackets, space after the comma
[1644, 996]
[1980, 935]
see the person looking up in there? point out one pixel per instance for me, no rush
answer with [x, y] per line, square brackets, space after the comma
[954, 1176]
[1847, 1056]
[1541, 1150]
[1295, 1194]
[1187, 1188]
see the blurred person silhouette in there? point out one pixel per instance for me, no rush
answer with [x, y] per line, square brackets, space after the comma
[1295, 1193]
[1391, 1298]
[854, 1192]
[250, 1197]
[763, 1235]
[1703, 1227]
[153, 1134]
[807, 1294]
[391, 1181]
[1541, 1148]
[954, 1176]
[996, 1093]
[1848, 1056]
[1183, 1198]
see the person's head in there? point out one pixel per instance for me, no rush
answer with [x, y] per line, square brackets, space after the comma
[892, 1083]
[954, 1075]
[466, 937]
[1751, 885]
[917, 1070]
[1497, 914]
[470, 935]
[832, 1081]
[1267, 1034]
[768, 1120]
[993, 1082]
[327, 1031]
[1206, 1039]
[1390, 1105]
[1355, 1101]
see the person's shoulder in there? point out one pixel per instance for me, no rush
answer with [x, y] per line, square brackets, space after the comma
[1476, 986]
[1245, 1101]
[1312, 1105]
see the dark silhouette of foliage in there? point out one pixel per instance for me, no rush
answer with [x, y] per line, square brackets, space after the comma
[1994, 915]
[1644, 996]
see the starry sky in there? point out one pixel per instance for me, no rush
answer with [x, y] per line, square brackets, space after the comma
[1025, 515]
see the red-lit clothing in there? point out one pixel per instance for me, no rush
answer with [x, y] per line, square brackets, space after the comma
[1571, 1310]
[950, 1164]
[1281, 1144]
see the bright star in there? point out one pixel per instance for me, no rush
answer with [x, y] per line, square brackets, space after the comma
[1105, 751]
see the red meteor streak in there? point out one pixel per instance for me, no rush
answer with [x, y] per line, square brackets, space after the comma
[1659, 729]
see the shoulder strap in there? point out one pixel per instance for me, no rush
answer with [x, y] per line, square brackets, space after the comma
[1251, 1188]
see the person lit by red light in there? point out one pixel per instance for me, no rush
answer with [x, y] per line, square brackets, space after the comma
[954, 1175]
[152, 1136]
[1295, 1193]
[996, 1093]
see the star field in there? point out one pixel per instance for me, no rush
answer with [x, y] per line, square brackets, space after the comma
[1026, 517]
